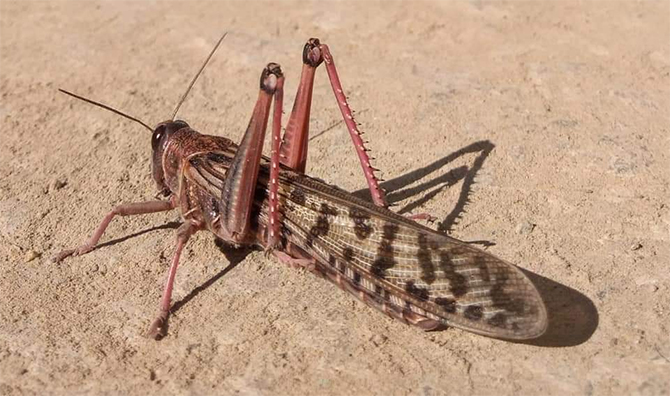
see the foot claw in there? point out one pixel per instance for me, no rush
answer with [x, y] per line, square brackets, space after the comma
[158, 328]
[62, 255]
[81, 250]
[422, 216]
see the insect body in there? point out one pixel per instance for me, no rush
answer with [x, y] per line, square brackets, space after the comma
[408, 271]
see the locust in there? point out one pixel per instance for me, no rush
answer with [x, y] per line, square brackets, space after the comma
[390, 262]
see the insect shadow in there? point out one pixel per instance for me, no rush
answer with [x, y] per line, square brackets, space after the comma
[573, 317]
[397, 189]
[234, 255]
[170, 225]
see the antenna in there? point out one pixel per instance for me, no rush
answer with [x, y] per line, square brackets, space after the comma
[106, 108]
[174, 113]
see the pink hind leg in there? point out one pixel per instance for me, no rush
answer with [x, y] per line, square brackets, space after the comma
[377, 193]
[293, 151]
[273, 226]
[373, 184]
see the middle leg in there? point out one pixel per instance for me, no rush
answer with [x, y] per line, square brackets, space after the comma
[158, 328]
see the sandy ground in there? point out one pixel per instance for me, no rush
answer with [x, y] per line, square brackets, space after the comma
[537, 129]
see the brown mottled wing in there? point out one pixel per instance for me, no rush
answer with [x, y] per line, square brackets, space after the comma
[402, 264]
[401, 267]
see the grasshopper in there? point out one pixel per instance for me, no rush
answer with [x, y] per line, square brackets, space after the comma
[406, 270]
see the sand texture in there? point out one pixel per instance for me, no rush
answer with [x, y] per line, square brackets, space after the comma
[539, 130]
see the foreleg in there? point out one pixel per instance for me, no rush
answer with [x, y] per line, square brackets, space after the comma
[121, 210]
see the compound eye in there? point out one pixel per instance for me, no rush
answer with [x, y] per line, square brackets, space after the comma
[156, 138]
[180, 124]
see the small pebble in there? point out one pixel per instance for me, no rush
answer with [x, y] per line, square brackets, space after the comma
[649, 288]
[525, 228]
[31, 255]
[378, 339]
[55, 185]
[636, 246]
[621, 166]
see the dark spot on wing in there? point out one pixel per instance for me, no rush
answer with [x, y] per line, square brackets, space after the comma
[499, 297]
[328, 210]
[389, 231]
[321, 227]
[458, 283]
[474, 312]
[418, 292]
[362, 228]
[448, 304]
[348, 254]
[385, 255]
[332, 260]
[385, 247]
[502, 299]
[380, 265]
[357, 277]
[480, 261]
[498, 320]
[298, 196]
[423, 255]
